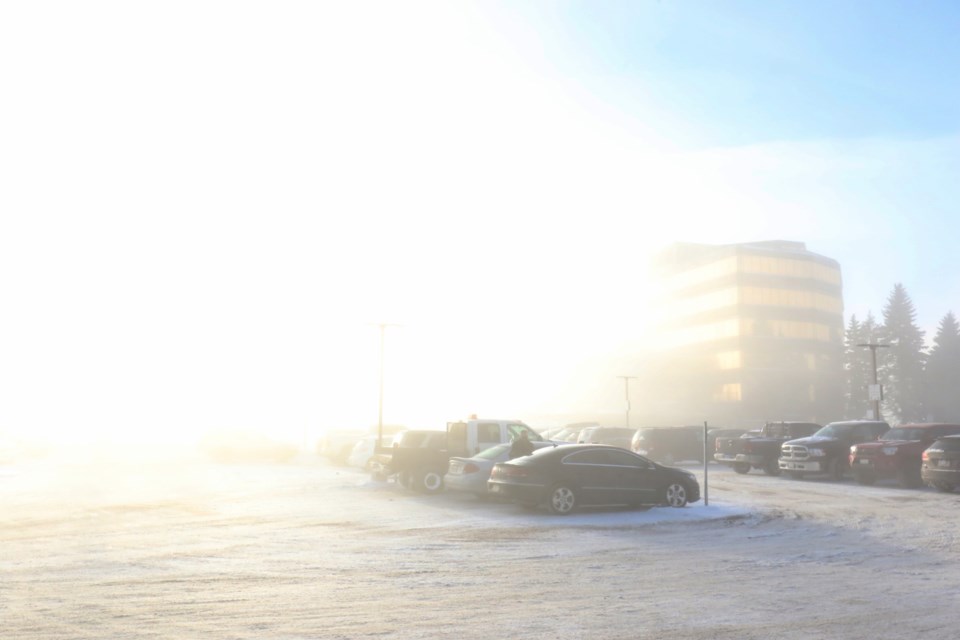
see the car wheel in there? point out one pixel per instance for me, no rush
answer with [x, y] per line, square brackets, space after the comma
[772, 468]
[562, 500]
[430, 481]
[741, 467]
[405, 480]
[675, 495]
[865, 477]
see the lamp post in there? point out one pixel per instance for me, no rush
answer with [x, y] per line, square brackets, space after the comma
[876, 391]
[626, 392]
[383, 329]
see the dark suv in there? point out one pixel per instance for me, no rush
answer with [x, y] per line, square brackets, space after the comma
[940, 467]
[828, 450]
[669, 444]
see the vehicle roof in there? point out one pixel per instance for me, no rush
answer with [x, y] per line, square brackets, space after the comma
[926, 425]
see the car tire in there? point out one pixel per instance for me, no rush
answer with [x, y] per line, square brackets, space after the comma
[561, 500]
[430, 481]
[741, 467]
[405, 480]
[772, 468]
[675, 495]
[865, 477]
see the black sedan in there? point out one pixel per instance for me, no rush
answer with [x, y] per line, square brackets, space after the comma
[569, 476]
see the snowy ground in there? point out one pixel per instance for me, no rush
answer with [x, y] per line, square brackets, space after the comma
[94, 547]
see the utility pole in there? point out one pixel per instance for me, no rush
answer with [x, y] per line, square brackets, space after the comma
[626, 391]
[876, 391]
[383, 329]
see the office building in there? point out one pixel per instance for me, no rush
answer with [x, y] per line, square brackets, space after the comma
[746, 333]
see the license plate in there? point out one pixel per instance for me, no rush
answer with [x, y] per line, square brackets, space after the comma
[495, 488]
[863, 461]
[943, 463]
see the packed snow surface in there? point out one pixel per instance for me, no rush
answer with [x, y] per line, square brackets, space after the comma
[134, 546]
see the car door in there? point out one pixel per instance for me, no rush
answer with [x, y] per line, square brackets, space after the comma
[592, 475]
[633, 478]
[488, 435]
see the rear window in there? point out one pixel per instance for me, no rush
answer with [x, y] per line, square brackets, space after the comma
[947, 444]
[903, 433]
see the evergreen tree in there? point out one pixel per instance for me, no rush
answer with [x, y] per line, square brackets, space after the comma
[858, 365]
[902, 363]
[942, 372]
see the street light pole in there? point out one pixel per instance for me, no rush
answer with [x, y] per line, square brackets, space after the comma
[383, 329]
[877, 393]
[626, 391]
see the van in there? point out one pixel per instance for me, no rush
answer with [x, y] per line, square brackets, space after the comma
[669, 444]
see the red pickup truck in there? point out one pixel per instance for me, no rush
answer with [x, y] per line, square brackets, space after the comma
[897, 454]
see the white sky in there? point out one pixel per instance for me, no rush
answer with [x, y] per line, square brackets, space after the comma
[207, 207]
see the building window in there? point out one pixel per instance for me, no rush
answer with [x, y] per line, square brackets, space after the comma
[728, 393]
[729, 360]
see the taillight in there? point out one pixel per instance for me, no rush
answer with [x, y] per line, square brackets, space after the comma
[470, 468]
[510, 471]
[924, 456]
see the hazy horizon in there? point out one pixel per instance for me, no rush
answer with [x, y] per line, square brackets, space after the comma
[209, 207]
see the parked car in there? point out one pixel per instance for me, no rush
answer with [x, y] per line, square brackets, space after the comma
[940, 464]
[616, 436]
[713, 434]
[571, 432]
[566, 477]
[363, 453]
[669, 444]
[897, 454]
[409, 451]
[761, 449]
[828, 450]
[470, 475]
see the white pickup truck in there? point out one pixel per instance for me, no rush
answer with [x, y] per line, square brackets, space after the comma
[423, 466]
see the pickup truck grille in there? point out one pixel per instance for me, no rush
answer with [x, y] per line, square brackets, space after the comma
[794, 452]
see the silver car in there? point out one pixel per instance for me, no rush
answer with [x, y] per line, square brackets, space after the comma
[470, 475]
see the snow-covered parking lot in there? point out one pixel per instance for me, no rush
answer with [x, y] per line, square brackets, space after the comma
[152, 548]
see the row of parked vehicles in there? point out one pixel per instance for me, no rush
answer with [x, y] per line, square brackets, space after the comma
[478, 457]
[912, 454]
[588, 464]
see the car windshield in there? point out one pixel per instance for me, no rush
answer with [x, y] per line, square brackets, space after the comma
[516, 429]
[901, 433]
[493, 452]
[833, 431]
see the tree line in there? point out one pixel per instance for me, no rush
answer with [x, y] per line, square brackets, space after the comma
[919, 383]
